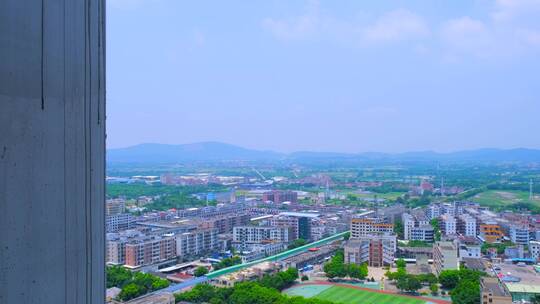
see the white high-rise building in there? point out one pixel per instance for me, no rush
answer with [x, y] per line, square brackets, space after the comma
[448, 225]
[467, 225]
[408, 225]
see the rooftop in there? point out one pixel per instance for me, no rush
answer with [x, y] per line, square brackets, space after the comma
[494, 287]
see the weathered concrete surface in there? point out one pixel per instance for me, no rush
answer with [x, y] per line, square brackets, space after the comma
[52, 151]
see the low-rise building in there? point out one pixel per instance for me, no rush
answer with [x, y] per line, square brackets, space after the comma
[492, 291]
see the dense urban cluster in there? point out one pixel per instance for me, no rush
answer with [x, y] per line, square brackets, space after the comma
[243, 237]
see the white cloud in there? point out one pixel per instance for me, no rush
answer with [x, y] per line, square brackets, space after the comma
[466, 35]
[396, 25]
[506, 10]
[297, 27]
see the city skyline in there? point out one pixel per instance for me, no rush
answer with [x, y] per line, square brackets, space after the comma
[315, 75]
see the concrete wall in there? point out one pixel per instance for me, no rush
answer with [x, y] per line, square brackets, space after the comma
[52, 151]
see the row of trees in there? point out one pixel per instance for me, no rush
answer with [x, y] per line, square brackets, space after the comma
[264, 291]
[133, 284]
[336, 268]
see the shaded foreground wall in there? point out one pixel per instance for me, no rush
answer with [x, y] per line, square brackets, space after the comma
[52, 151]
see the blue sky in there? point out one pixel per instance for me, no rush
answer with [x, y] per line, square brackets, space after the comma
[349, 76]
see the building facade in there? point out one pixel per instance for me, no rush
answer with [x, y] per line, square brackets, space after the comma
[445, 256]
[375, 250]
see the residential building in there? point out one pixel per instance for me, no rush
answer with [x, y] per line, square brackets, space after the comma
[433, 211]
[259, 234]
[469, 247]
[445, 256]
[491, 232]
[375, 250]
[279, 197]
[408, 224]
[492, 291]
[115, 206]
[149, 250]
[369, 226]
[196, 242]
[520, 234]
[226, 223]
[448, 224]
[534, 250]
[424, 233]
[416, 227]
[119, 222]
[466, 225]
[299, 222]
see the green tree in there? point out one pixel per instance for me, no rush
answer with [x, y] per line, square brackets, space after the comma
[400, 263]
[200, 271]
[449, 278]
[130, 291]
[466, 292]
[413, 284]
[434, 287]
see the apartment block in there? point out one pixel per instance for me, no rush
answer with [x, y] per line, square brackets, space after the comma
[416, 227]
[433, 211]
[115, 206]
[445, 256]
[375, 250]
[149, 250]
[534, 250]
[520, 234]
[259, 234]
[119, 222]
[299, 222]
[196, 242]
[491, 233]
[279, 197]
[466, 225]
[369, 226]
[424, 233]
[225, 224]
[448, 224]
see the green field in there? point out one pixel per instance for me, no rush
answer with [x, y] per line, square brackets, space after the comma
[503, 198]
[338, 294]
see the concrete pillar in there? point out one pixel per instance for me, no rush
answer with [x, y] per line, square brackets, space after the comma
[52, 151]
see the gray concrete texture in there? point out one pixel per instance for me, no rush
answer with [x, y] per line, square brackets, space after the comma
[52, 151]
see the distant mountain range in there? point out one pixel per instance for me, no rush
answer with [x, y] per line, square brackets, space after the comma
[216, 151]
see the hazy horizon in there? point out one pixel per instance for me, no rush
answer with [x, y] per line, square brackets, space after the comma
[325, 76]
